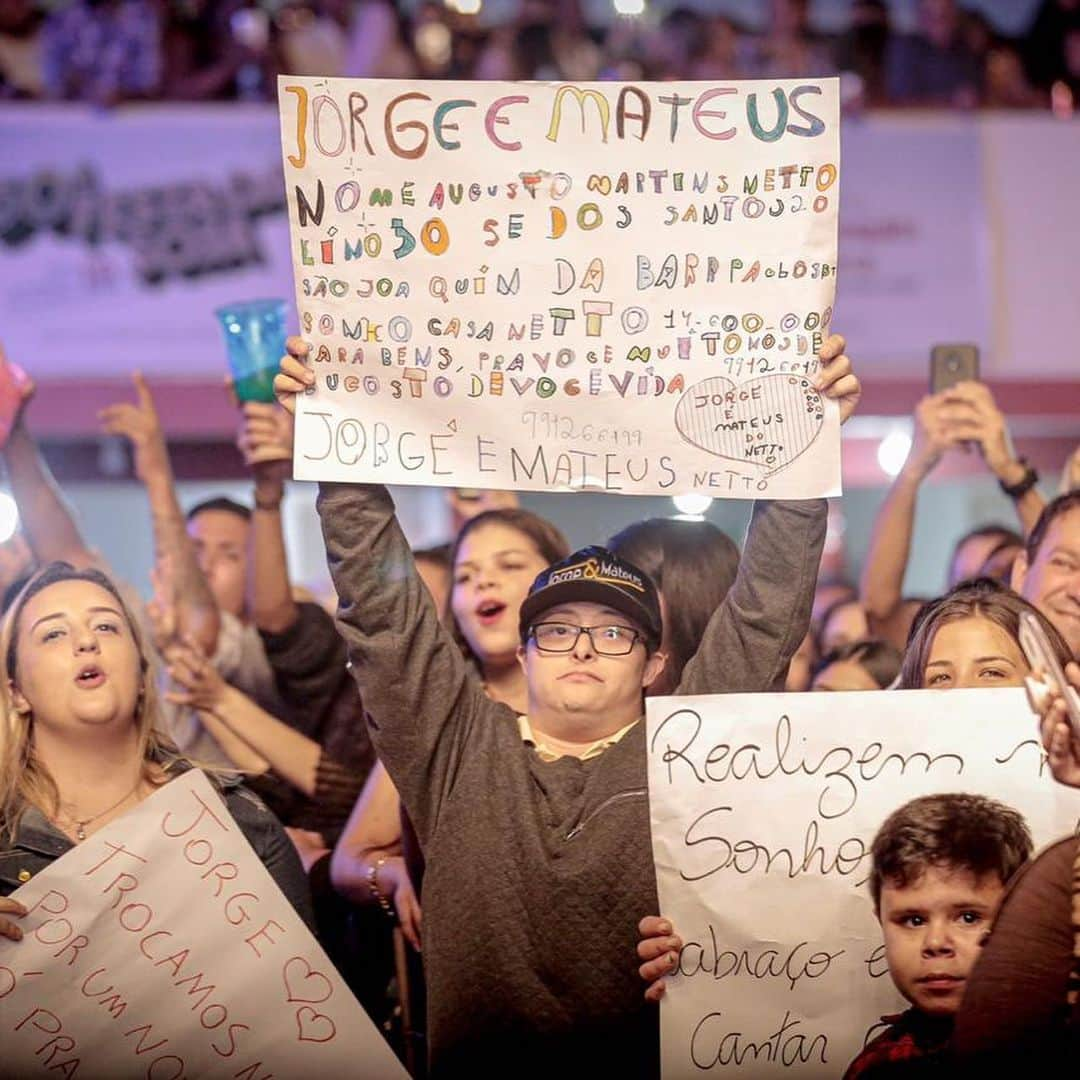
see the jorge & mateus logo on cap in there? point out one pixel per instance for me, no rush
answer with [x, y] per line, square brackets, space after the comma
[598, 570]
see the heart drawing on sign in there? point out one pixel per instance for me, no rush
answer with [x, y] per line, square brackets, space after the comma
[302, 984]
[767, 422]
[314, 1026]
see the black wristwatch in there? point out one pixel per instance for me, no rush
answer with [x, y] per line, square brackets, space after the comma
[1024, 484]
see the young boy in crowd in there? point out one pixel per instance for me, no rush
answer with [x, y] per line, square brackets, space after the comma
[940, 866]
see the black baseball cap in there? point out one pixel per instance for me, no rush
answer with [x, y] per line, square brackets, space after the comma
[598, 576]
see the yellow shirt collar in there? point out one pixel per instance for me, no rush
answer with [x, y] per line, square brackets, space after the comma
[547, 753]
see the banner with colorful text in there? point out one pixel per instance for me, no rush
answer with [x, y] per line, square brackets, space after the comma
[609, 287]
[763, 812]
[162, 947]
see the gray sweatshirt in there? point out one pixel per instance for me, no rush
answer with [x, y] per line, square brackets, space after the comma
[537, 872]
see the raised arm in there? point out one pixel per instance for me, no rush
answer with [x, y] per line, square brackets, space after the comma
[419, 698]
[294, 757]
[47, 520]
[882, 583]
[266, 443]
[752, 636]
[368, 866]
[302, 645]
[197, 610]
[972, 413]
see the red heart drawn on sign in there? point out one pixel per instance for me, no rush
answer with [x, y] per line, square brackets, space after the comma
[314, 1026]
[305, 987]
[766, 422]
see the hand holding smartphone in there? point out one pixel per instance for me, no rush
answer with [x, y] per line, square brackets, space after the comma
[951, 364]
[1045, 667]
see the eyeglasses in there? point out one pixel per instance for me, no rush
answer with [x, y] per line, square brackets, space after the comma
[560, 637]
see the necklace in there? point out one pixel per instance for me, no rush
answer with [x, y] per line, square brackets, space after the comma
[80, 825]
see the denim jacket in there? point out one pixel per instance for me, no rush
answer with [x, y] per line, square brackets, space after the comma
[38, 843]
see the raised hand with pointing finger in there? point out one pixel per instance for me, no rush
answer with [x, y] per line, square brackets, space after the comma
[197, 610]
[138, 422]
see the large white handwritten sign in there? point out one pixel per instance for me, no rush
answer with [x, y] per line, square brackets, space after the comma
[549, 287]
[161, 947]
[763, 811]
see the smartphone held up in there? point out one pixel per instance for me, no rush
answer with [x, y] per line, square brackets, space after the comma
[952, 364]
[1047, 674]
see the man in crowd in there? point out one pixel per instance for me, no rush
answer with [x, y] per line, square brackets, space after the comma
[540, 866]
[1047, 571]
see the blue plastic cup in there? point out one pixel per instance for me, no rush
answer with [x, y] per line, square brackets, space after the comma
[255, 341]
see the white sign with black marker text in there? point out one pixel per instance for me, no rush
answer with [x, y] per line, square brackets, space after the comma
[763, 811]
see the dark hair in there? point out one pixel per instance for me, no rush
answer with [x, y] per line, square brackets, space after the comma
[220, 502]
[11, 593]
[1002, 532]
[981, 598]
[693, 564]
[879, 659]
[953, 832]
[52, 574]
[547, 539]
[439, 555]
[1000, 548]
[1050, 513]
[829, 612]
[847, 592]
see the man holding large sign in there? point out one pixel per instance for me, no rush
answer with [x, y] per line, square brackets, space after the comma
[537, 286]
[538, 869]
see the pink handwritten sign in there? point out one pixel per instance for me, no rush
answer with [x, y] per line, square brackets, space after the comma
[162, 947]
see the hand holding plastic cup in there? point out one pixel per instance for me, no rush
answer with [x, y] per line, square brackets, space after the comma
[255, 342]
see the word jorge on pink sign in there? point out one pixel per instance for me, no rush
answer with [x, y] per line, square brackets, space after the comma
[161, 947]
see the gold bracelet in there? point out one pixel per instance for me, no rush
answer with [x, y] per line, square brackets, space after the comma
[373, 885]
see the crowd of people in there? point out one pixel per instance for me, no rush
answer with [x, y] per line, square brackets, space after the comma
[106, 52]
[448, 780]
[444, 769]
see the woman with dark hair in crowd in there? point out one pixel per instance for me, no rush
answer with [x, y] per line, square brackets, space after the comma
[693, 564]
[858, 665]
[494, 559]
[80, 743]
[970, 638]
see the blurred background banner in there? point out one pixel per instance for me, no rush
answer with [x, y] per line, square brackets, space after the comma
[914, 238]
[122, 232]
